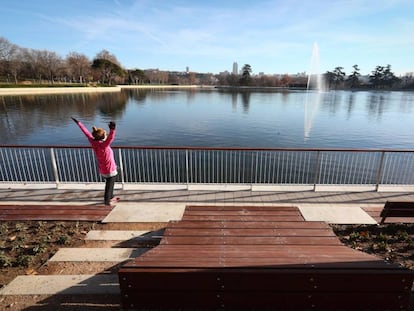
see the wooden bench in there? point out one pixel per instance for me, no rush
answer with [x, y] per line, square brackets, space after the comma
[254, 258]
[397, 209]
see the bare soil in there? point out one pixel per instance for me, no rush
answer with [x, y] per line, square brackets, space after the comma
[392, 242]
[26, 246]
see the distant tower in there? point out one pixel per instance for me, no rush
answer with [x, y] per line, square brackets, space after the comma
[187, 69]
[235, 68]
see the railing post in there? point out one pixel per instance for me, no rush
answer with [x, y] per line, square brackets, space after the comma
[252, 171]
[186, 168]
[317, 167]
[121, 167]
[381, 167]
[54, 166]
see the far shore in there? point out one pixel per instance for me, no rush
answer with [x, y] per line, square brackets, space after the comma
[90, 89]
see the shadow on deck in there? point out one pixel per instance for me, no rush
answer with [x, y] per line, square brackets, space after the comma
[256, 257]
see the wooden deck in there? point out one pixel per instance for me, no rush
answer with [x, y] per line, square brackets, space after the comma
[54, 212]
[230, 257]
[375, 212]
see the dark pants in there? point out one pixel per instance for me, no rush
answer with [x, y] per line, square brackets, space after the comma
[109, 189]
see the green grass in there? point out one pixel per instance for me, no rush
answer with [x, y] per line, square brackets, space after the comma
[12, 85]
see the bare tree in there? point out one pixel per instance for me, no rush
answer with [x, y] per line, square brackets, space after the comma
[77, 66]
[156, 76]
[8, 52]
[53, 64]
[16, 63]
[286, 80]
[6, 47]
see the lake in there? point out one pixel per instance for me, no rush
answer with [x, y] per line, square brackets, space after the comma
[216, 118]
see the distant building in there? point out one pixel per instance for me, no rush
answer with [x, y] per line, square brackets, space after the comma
[235, 68]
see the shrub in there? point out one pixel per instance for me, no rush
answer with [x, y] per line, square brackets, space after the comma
[5, 260]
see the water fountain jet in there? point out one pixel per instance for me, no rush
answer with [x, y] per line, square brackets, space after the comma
[315, 83]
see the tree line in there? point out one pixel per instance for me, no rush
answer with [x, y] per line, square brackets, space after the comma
[382, 77]
[25, 65]
[19, 64]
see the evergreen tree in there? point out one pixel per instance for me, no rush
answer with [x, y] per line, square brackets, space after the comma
[353, 79]
[246, 75]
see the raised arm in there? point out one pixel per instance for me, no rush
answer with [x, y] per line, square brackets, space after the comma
[83, 129]
[111, 135]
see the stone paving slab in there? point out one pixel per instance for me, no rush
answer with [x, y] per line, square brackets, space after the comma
[97, 254]
[164, 212]
[113, 235]
[336, 214]
[62, 284]
[145, 212]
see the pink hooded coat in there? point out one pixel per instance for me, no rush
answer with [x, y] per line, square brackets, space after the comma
[103, 151]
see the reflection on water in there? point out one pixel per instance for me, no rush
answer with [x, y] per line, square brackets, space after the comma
[39, 116]
[216, 118]
[312, 102]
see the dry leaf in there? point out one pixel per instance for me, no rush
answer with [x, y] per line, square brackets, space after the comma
[30, 272]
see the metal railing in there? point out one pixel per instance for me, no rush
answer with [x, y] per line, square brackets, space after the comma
[187, 166]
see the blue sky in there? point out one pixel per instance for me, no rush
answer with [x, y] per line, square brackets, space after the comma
[273, 36]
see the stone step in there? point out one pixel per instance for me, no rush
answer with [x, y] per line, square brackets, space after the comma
[62, 284]
[114, 235]
[97, 254]
[145, 212]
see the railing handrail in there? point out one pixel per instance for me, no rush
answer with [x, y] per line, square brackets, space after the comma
[325, 149]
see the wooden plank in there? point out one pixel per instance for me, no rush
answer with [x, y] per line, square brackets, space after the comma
[244, 218]
[265, 279]
[232, 208]
[283, 301]
[54, 212]
[167, 300]
[52, 217]
[241, 232]
[258, 300]
[292, 240]
[243, 213]
[261, 263]
[53, 207]
[391, 205]
[399, 220]
[248, 224]
[290, 249]
[314, 301]
[276, 256]
[247, 253]
[398, 212]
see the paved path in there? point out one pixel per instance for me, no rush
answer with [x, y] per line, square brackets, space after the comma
[162, 206]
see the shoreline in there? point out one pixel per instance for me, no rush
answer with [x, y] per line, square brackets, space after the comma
[90, 89]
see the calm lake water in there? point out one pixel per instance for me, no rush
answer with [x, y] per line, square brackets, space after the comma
[335, 119]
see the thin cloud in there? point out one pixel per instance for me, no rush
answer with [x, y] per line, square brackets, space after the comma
[270, 34]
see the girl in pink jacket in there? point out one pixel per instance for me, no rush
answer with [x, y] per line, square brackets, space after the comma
[101, 145]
